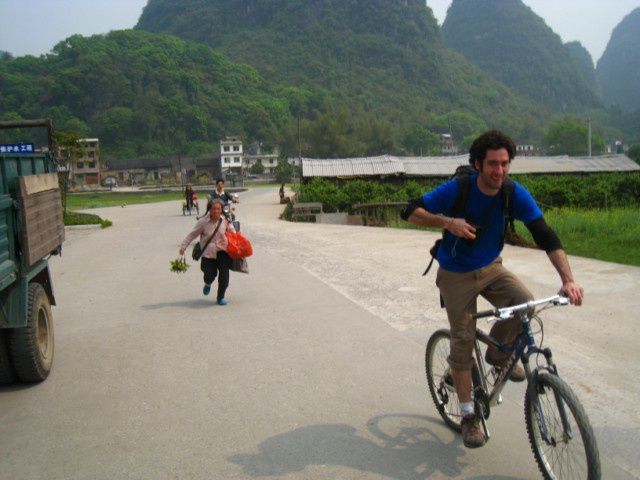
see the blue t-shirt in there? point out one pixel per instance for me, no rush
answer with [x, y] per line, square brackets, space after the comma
[487, 212]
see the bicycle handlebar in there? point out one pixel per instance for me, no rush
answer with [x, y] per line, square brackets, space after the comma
[508, 312]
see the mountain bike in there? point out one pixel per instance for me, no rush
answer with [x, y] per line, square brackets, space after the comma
[559, 431]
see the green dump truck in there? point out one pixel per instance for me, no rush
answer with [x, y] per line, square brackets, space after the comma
[31, 229]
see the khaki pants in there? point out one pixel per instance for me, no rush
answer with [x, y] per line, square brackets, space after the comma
[460, 291]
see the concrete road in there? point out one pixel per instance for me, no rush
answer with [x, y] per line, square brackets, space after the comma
[314, 370]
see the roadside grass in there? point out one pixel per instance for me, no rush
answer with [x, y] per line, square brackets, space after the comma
[74, 218]
[83, 201]
[611, 235]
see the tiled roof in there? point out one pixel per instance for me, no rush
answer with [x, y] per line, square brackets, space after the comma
[445, 165]
[352, 167]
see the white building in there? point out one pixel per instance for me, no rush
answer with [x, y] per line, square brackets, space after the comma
[525, 150]
[231, 154]
[255, 154]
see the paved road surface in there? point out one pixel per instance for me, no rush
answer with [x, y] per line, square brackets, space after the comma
[314, 370]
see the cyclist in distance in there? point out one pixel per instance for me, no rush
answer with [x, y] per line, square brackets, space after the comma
[470, 263]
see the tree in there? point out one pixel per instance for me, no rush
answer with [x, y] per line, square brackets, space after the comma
[334, 135]
[634, 152]
[571, 137]
[421, 141]
[257, 168]
[376, 134]
[77, 126]
[284, 171]
[70, 148]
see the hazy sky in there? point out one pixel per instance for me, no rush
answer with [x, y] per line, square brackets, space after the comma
[35, 26]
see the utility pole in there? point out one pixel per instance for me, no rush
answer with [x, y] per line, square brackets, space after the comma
[589, 120]
[299, 143]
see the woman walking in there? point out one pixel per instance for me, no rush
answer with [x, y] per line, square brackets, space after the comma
[215, 260]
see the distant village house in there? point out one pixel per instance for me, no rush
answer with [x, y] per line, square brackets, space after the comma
[255, 154]
[231, 155]
[86, 169]
[447, 145]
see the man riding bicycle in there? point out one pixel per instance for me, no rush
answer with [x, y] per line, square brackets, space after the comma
[470, 262]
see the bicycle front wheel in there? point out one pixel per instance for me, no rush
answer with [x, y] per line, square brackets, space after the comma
[561, 437]
[439, 379]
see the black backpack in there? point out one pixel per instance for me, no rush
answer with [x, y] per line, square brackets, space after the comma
[463, 175]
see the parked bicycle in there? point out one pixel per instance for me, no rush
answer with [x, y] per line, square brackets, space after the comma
[559, 431]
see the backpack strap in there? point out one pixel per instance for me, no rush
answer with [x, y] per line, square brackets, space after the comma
[434, 254]
[507, 190]
[464, 192]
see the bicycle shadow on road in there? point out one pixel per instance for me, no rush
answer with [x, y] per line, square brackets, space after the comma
[199, 304]
[405, 447]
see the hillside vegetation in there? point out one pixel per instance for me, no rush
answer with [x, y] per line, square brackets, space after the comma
[619, 68]
[370, 57]
[510, 42]
[584, 64]
[141, 93]
[335, 78]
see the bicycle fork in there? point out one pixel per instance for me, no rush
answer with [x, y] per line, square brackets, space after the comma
[536, 391]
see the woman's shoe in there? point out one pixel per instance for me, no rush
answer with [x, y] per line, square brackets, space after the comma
[206, 289]
[222, 301]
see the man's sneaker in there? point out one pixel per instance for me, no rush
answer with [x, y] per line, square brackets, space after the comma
[206, 289]
[517, 373]
[472, 434]
[222, 301]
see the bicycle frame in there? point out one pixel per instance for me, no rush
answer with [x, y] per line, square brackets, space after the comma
[523, 347]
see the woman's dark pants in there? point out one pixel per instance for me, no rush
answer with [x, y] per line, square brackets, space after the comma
[219, 267]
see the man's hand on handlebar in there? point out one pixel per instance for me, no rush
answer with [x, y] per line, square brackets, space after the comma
[574, 292]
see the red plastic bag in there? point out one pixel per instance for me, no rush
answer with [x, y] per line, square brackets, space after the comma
[238, 245]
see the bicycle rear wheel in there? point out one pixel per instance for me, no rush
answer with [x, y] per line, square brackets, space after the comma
[439, 379]
[567, 452]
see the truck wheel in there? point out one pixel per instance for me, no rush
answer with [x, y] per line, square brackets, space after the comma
[31, 347]
[6, 370]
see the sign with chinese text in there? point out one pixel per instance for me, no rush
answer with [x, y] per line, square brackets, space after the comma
[17, 148]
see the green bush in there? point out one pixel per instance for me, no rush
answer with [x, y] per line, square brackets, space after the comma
[598, 190]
